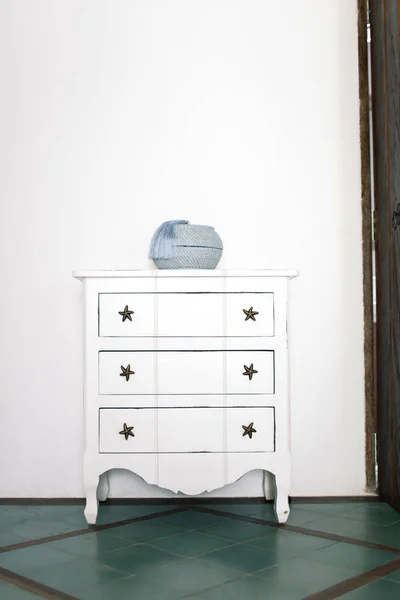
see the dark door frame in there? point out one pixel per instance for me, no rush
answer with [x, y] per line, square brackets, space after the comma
[385, 68]
[367, 250]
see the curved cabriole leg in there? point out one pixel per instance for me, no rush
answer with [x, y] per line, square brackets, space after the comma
[90, 482]
[104, 487]
[282, 488]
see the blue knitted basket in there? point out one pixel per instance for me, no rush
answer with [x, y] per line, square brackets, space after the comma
[180, 245]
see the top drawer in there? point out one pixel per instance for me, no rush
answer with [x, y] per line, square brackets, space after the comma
[203, 314]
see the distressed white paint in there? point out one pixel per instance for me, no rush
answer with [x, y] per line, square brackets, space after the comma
[176, 312]
[132, 427]
[117, 115]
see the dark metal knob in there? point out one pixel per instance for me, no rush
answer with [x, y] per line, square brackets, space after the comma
[250, 314]
[126, 313]
[249, 371]
[249, 430]
[127, 431]
[126, 372]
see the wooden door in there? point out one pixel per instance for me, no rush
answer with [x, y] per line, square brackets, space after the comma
[385, 54]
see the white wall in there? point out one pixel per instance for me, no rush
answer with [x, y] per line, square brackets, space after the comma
[116, 115]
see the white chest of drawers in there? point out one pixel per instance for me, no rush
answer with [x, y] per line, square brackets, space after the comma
[186, 379]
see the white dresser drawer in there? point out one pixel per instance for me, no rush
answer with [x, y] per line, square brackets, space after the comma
[132, 430]
[250, 315]
[204, 430]
[186, 315]
[187, 372]
[240, 425]
[250, 372]
[126, 315]
[190, 429]
[127, 373]
[126, 430]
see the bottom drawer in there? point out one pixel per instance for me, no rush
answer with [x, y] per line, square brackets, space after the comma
[173, 430]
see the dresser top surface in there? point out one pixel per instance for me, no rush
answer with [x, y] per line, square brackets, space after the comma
[109, 274]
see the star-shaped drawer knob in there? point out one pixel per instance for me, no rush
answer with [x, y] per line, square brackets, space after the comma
[126, 372]
[249, 430]
[250, 314]
[126, 314]
[249, 371]
[127, 431]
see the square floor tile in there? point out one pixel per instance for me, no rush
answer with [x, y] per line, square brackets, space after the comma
[136, 559]
[129, 588]
[91, 545]
[250, 587]
[305, 575]
[242, 557]
[34, 557]
[144, 531]
[191, 543]
[9, 515]
[193, 575]
[285, 544]
[74, 574]
[260, 511]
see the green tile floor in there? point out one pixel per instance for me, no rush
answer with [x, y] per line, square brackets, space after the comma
[229, 553]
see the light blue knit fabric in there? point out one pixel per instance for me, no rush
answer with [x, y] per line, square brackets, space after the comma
[161, 245]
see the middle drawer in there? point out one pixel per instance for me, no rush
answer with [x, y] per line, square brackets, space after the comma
[186, 372]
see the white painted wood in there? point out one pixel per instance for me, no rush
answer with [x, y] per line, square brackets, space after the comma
[129, 401]
[208, 469]
[261, 382]
[190, 284]
[189, 314]
[180, 273]
[186, 372]
[143, 421]
[189, 343]
[110, 368]
[191, 430]
[263, 440]
[239, 324]
[188, 398]
[141, 322]
[193, 314]
[190, 372]
[201, 400]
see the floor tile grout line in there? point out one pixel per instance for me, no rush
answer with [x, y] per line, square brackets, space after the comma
[29, 585]
[302, 530]
[356, 582]
[91, 529]
[185, 556]
[218, 585]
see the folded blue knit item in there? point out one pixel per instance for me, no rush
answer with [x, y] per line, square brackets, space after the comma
[161, 245]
